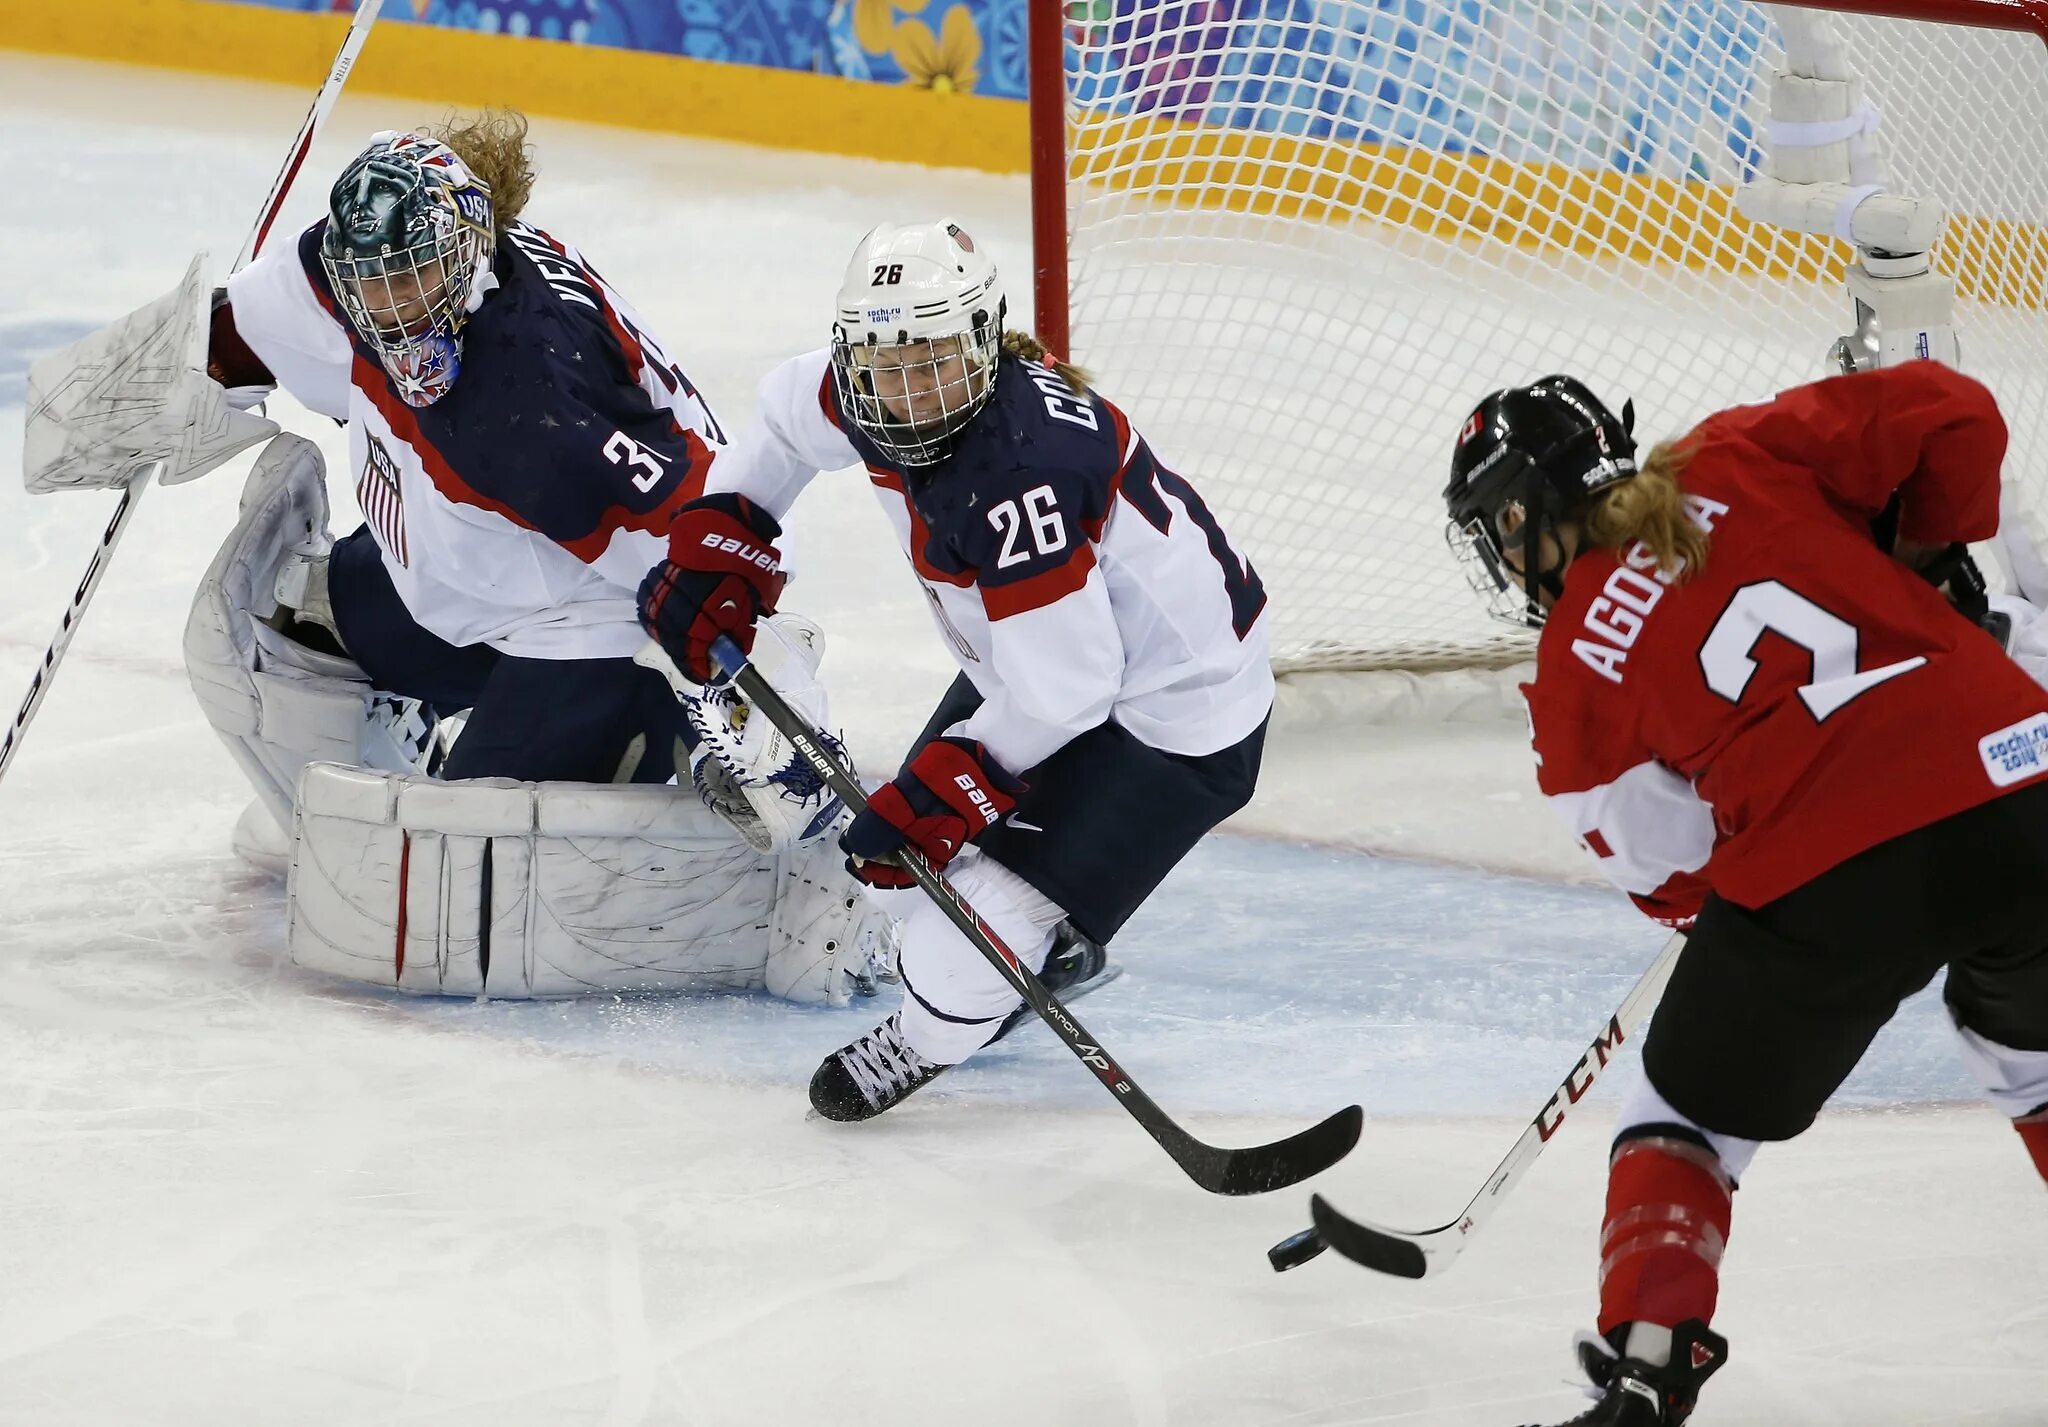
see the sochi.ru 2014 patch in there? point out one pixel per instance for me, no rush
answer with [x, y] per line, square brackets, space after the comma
[2016, 753]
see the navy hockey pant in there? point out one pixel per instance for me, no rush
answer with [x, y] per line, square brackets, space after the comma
[538, 720]
[1105, 818]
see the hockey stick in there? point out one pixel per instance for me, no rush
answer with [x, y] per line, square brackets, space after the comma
[1416, 1254]
[131, 495]
[1256, 1170]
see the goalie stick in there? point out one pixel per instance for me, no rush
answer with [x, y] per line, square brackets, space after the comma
[131, 495]
[1259, 1169]
[1418, 1253]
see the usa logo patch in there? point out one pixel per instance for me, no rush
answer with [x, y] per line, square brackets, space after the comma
[383, 501]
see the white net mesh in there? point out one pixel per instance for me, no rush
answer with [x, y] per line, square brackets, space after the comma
[1306, 235]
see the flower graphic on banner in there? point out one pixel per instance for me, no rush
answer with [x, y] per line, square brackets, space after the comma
[874, 21]
[949, 62]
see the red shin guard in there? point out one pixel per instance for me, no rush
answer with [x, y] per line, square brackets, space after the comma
[1668, 1210]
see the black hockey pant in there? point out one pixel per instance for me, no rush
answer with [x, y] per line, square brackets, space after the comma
[1771, 1007]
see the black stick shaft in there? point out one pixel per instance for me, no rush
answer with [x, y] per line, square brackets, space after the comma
[1222, 1171]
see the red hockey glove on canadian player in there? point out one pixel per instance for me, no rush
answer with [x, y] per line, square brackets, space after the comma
[951, 793]
[722, 573]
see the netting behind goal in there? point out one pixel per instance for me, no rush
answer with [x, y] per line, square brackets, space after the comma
[1304, 236]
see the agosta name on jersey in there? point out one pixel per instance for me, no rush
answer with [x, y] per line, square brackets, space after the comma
[1616, 617]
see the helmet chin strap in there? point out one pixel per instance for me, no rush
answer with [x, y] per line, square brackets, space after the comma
[1536, 523]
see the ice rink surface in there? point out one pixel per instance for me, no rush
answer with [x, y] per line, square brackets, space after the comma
[234, 1193]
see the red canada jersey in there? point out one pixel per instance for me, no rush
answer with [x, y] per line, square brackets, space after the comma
[1803, 696]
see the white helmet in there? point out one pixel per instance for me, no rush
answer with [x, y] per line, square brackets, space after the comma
[928, 288]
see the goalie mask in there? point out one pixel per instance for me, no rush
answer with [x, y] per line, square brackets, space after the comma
[1527, 458]
[407, 247]
[919, 329]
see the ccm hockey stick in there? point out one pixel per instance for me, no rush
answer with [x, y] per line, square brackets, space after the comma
[131, 495]
[1418, 1253]
[1257, 1170]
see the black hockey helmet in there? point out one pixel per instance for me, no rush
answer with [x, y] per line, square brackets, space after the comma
[1528, 457]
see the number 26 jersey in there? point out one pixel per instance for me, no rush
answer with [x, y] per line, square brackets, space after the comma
[1075, 579]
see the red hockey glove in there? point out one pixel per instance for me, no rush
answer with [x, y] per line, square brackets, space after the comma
[722, 573]
[949, 795]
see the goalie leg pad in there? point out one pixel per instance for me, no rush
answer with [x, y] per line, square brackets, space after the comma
[827, 942]
[522, 890]
[276, 703]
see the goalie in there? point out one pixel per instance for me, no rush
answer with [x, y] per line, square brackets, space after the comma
[518, 445]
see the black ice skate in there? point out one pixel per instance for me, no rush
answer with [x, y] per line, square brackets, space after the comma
[1632, 1393]
[868, 1076]
[1074, 967]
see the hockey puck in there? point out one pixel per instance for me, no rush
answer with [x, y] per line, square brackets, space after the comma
[1295, 1250]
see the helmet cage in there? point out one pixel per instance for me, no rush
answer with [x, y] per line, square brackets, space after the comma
[938, 384]
[1517, 516]
[1515, 497]
[408, 238]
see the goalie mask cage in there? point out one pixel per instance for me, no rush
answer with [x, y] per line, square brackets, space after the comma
[1298, 239]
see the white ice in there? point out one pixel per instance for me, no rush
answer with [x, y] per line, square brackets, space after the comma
[234, 1193]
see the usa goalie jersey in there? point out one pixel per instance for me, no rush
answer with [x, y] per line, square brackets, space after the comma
[520, 509]
[1074, 577]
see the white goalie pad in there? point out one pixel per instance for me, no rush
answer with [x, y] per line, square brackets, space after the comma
[743, 767]
[277, 704]
[118, 401]
[520, 890]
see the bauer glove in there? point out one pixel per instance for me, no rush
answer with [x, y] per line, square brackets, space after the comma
[722, 573]
[950, 794]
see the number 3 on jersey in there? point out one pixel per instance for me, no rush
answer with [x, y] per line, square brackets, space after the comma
[1727, 658]
[647, 464]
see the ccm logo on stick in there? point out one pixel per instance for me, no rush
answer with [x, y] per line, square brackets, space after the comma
[1580, 1080]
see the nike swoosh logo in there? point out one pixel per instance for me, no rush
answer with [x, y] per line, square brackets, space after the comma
[1016, 822]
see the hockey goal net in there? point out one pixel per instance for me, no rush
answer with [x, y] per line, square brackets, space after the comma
[1297, 239]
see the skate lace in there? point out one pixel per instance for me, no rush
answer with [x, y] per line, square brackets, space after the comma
[882, 1065]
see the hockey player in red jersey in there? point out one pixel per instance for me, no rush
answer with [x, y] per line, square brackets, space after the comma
[1773, 729]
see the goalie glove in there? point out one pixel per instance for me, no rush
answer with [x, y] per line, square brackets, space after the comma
[950, 794]
[745, 768]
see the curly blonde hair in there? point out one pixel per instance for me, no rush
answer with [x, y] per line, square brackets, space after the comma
[493, 143]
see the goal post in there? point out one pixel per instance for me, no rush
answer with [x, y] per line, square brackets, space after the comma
[1298, 239]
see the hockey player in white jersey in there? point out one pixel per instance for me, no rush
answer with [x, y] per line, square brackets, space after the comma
[1114, 687]
[518, 444]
